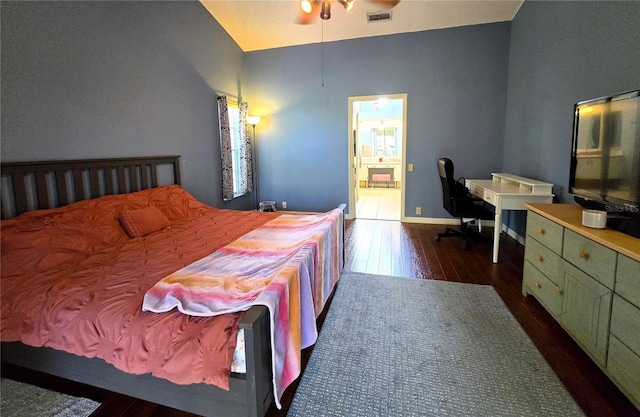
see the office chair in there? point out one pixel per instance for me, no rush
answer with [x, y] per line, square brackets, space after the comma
[459, 203]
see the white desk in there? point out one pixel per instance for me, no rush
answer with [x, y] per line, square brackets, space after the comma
[509, 192]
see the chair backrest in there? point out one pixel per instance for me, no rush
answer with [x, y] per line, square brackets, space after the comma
[445, 169]
[455, 195]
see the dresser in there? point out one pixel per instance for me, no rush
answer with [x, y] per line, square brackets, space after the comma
[589, 281]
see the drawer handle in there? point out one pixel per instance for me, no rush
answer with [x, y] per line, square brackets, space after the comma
[541, 230]
[558, 290]
[583, 254]
[540, 258]
[537, 284]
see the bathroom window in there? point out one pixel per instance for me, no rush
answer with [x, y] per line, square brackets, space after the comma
[385, 141]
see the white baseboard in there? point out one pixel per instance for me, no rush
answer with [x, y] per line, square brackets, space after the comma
[456, 222]
[513, 234]
[430, 220]
[438, 220]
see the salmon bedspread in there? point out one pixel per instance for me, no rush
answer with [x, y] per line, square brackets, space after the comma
[289, 264]
[73, 280]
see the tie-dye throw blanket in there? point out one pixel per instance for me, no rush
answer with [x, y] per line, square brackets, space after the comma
[290, 265]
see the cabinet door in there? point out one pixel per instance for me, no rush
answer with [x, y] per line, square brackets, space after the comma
[585, 311]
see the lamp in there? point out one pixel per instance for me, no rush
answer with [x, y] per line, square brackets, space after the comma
[253, 121]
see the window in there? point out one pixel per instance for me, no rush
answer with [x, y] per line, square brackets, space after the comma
[235, 146]
[234, 132]
[385, 142]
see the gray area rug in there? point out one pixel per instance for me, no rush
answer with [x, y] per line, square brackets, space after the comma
[405, 347]
[24, 400]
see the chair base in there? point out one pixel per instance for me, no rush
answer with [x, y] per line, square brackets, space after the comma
[464, 232]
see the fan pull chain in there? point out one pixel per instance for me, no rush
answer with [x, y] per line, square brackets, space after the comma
[322, 52]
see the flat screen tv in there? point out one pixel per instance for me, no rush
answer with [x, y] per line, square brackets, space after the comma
[605, 158]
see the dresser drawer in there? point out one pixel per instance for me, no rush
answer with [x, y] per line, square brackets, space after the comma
[546, 291]
[628, 279]
[624, 367]
[490, 197]
[545, 231]
[481, 192]
[591, 257]
[625, 323]
[543, 258]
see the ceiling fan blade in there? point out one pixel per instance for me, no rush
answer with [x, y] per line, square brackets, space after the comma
[387, 4]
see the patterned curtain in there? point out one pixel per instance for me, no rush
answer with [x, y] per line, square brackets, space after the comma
[244, 171]
[225, 147]
[246, 151]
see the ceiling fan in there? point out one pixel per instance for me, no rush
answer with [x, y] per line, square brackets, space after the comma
[311, 9]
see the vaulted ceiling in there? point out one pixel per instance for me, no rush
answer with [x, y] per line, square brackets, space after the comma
[266, 24]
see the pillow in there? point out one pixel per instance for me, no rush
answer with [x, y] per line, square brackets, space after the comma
[141, 222]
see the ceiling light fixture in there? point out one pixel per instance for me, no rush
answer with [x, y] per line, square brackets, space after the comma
[348, 4]
[325, 11]
[306, 6]
[310, 6]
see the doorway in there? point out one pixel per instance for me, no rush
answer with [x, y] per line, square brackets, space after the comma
[377, 151]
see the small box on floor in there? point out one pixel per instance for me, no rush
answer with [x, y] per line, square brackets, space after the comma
[267, 206]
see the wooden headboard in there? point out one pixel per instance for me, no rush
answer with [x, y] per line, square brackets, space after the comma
[33, 185]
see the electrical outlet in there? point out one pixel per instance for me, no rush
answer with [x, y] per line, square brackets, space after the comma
[410, 167]
[284, 204]
[418, 210]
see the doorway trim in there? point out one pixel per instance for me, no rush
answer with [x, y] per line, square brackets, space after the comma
[352, 168]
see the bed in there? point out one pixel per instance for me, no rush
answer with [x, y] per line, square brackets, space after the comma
[121, 264]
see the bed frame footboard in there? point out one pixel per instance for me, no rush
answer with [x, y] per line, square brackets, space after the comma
[257, 341]
[249, 395]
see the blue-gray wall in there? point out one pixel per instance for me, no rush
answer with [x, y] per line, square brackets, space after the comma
[561, 53]
[102, 79]
[456, 81]
[111, 79]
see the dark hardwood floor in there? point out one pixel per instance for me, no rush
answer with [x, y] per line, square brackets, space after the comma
[410, 250]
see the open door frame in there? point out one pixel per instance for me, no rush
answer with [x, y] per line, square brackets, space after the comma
[352, 168]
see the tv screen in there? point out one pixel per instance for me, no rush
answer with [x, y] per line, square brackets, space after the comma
[605, 163]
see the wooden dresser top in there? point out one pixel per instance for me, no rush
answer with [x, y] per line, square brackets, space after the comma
[570, 216]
